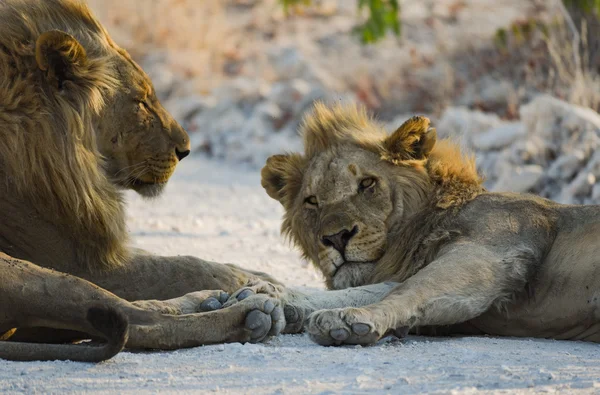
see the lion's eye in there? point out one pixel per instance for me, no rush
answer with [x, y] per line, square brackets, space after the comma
[367, 183]
[142, 105]
[312, 200]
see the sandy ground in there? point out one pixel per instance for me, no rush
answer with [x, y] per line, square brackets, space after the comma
[221, 213]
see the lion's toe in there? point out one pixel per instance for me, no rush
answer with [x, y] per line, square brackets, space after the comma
[210, 304]
[259, 323]
[361, 329]
[339, 334]
[295, 317]
[266, 319]
[245, 293]
[340, 326]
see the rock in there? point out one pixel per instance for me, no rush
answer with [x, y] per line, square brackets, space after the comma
[270, 113]
[566, 166]
[499, 137]
[462, 123]
[565, 127]
[186, 107]
[163, 78]
[519, 179]
[264, 122]
[287, 61]
[487, 162]
[296, 96]
[581, 186]
[287, 94]
[596, 193]
[533, 149]
[489, 94]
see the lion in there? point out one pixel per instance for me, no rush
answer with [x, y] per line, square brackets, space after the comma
[408, 239]
[79, 123]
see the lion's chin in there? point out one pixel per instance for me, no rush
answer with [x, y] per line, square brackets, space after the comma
[352, 274]
[148, 190]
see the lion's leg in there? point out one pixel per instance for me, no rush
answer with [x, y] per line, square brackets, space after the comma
[32, 296]
[147, 277]
[299, 304]
[38, 297]
[251, 320]
[458, 286]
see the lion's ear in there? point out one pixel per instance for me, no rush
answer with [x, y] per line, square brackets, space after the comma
[60, 55]
[282, 176]
[414, 139]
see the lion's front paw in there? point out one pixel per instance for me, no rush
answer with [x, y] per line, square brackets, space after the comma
[265, 317]
[194, 302]
[342, 326]
[256, 287]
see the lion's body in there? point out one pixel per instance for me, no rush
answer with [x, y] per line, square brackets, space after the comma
[407, 221]
[79, 122]
[561, 297]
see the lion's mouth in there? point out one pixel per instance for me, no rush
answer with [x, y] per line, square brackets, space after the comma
[347, 264]
[352, 274]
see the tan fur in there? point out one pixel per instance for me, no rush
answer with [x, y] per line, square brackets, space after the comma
[428, 248]
[79, 122]
[58, 170]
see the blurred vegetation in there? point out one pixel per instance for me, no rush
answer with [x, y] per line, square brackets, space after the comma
[562, 53]
[383, 16]
[587, 6]
[580, 17]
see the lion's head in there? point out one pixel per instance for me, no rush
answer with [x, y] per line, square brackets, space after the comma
[354, 183]
[79, 68]
[79, 119]
[139, 140]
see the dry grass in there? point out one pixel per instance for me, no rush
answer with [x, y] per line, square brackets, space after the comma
[571, 75]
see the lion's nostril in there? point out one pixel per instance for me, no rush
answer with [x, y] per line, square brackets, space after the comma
[181, 154]
[340, 240]
[326, 242]
[346, 236]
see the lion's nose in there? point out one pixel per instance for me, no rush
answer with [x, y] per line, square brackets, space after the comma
[181, 154]
[340, 240]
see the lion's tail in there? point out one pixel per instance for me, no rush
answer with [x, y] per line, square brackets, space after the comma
[112, 324]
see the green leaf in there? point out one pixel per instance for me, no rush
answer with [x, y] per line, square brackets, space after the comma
[383, 16]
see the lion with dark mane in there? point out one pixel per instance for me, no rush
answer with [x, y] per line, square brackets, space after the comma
[407, 238]
[79, 121]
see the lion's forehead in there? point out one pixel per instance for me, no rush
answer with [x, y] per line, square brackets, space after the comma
[331, 181]
[333, 175]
